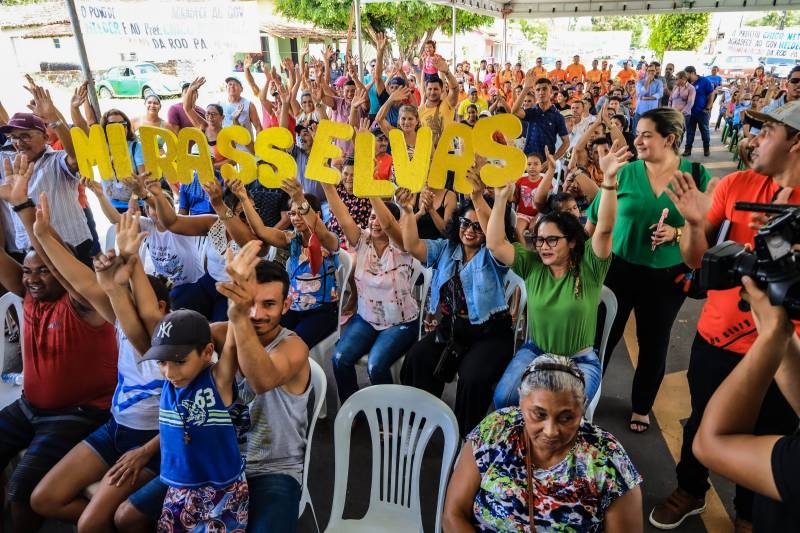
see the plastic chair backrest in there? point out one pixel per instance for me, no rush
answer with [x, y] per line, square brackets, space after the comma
[319, 384]
[8, 300]
[272, 253]
[609, 300]
[424, 296]
[413, 415]
[512, 282]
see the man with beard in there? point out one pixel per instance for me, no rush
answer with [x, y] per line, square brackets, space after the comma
[437, 112]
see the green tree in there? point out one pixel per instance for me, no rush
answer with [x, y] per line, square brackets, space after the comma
[413, 21]
[773, 19]
[683, 31]
[535, 31]
[632, 23]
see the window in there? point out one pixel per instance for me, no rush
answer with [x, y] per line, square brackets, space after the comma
[265, 51]
[56, 42]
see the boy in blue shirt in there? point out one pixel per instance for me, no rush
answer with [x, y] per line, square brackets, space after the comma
[200, 458]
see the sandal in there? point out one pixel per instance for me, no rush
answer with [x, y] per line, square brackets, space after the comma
[645, 426]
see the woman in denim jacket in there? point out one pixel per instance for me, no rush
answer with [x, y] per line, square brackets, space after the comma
[467, 294]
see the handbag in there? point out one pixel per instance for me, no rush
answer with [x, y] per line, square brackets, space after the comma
[450, 357]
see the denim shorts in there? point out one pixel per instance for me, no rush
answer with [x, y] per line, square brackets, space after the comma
[111, 440]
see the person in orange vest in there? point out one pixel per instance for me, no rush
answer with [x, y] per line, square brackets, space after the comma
[557, 74]
[539, 71]
[505, 75]
[576, 69]
[605, 71]
[595, 75]
[626, 74]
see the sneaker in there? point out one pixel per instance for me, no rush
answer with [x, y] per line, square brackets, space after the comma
[678, 507]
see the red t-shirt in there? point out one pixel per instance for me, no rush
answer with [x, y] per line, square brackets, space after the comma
[526, 189]
[721, 322]
[67, 362]
[273, 121]
[383, 167]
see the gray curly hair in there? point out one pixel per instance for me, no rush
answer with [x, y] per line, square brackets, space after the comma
[554, 373]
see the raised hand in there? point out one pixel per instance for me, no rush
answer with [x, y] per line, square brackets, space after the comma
[247, 62]
[551, 161]
[241, 270]
[237, 188]
[293, 188]
[614, 160]
[505, 193]
[400, 94]
[14, 188]
[80, 95]
[691, 203]
[95, 186]
[41, 225]
[441, 64]
[42, 104]
[214, 192]
[405, 199]
[363, 125]
[474, 178]
[381, 41]
[129, 238]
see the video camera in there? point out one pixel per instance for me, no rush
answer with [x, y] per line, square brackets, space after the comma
[773, 265]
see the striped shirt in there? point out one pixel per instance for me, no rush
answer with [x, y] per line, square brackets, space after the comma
[52, 176]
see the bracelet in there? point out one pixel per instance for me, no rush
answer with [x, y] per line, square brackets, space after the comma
[614, 187]
[27, 204]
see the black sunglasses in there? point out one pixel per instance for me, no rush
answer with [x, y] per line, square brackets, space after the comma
[465, 223]
[794, 81]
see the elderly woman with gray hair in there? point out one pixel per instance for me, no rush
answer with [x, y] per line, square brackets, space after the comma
[541, 460]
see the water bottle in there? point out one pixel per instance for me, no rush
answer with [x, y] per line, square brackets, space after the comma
[13, 378]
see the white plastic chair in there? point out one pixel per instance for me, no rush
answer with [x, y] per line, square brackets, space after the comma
[511, 283]
[413, 416]
[111, 238]
[427, 275]
[607, 299]
[319, 384]
[9, 392]
[325, 347]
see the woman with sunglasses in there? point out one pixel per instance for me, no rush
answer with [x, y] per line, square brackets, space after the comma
[474, 337]
[211, 124]
[563, 278]
[540, 464]
[117, 191]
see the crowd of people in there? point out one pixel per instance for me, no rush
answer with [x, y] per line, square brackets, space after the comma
[175, 367]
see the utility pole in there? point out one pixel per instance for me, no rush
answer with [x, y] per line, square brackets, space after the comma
[87, 72]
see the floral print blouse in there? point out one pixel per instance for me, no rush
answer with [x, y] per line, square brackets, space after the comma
[572, 496]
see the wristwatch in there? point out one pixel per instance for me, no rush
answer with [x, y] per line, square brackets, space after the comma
[24, 205]
[228, 214]
[678, 235]
[304, 208]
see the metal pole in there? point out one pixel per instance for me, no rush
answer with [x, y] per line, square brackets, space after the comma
[358, 41]
[87, 72]
[454, 36]
[505, 38]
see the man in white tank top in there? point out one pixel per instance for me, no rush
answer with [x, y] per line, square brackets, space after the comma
[243, 110]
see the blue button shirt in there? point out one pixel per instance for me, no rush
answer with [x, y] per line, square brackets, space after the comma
[193, 198]
[482, 278]
[716, 81]
[656, 89]
[543, 129]
[703, 89]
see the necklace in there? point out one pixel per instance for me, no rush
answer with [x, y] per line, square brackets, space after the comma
[186, 437]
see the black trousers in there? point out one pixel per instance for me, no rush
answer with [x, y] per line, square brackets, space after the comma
[655, 299]
[487, 356]
[708, 368]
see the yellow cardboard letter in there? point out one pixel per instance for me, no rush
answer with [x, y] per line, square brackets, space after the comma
[159, 165]
[247, 163]
[364, 182]
[323, 150]
[120, 155]
[91, 150]
[280, 165]
[444, 161]
[188, 163]
[411, 174]
[494, 175]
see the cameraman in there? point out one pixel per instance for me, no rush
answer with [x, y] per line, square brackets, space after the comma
[769, 464]
[724, 332]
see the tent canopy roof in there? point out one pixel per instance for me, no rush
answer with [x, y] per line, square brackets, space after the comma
[582, 8]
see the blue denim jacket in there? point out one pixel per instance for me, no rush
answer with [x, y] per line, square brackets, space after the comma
[481, 278]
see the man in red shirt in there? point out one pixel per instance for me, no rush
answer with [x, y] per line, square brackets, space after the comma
[725, 332]
[69, 357]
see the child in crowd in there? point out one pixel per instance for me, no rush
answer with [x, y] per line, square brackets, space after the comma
[200, 458]
[429, 57]
[524, 194]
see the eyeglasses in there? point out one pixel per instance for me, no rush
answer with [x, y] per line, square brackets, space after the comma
[794, 81]
[123, 122]
[22, 137]
[465, 223]
[552, 241]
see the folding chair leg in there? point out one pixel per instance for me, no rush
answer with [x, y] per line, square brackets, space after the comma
[314, 515]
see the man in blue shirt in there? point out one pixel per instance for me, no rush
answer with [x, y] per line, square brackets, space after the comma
[715, 78]
[648, 94]
[703, 101]
[544, 122]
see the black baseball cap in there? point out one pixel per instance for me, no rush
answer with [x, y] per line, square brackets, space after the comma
[178, 333]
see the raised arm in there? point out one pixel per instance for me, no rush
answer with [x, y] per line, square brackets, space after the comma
[452, 84]
[546, 185]
[327, 239]
[79, 276]
[189, 101]
[387, 221]
[693, 205]
[13, 190]
[248, 76]
[43, 107]
[496, 240]
[351, 230]
[408, 224]
[607, 210]
[381, 41]
[109, 210]
[527, 85]
[399, 94]
[78, 99]
[280, 365]
[267, 235]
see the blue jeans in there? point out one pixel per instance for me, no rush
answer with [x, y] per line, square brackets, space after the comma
[695, 120]
[383, 347]
[506, 394]
[273, 508]
[274, 503]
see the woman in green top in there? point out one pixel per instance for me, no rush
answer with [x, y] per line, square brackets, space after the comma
[647, 258]
[563, 278]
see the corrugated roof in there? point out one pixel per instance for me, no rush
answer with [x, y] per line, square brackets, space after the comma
[61, 29]
[31, 15]
[292, 30]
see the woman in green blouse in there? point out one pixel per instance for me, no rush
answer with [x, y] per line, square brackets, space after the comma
[647, 259]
